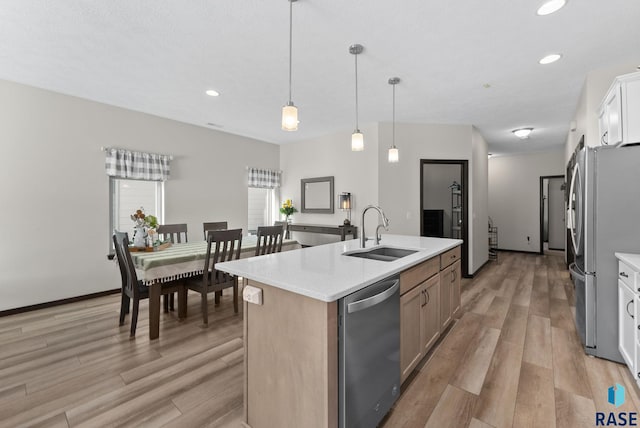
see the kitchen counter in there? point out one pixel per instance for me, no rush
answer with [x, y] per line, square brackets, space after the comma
[633, 260]
[291, 331]
[324, 273]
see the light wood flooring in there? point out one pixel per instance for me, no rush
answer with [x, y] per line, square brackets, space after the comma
[512, 360]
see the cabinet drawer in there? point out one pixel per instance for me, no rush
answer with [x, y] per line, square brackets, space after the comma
[628, 276]
[448, 258]
[417, 274]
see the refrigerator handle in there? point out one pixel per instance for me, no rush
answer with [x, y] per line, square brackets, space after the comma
[571, 219]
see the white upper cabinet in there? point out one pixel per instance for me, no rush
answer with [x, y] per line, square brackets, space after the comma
[619, 113]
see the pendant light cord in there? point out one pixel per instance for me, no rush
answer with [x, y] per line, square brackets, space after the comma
[357, 127]
[394, 117]
[290, 43]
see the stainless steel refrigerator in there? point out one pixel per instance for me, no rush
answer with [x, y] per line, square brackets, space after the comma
[604, 204]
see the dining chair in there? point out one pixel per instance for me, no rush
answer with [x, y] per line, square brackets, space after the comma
[174, 232]
[222, 246]
[285, 227]
[269, 239]
[215, 225]
[132, 289]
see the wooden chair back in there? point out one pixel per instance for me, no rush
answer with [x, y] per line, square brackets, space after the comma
[125, 262]
[285, 227]
[173, 232]
[215, 225]
[269, 240]
[222, 246]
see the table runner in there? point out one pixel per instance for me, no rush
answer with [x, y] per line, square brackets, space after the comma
[186, 260]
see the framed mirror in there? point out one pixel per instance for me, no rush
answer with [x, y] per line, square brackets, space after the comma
[317, 195]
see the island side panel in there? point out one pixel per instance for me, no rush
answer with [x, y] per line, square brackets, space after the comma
[291, 361]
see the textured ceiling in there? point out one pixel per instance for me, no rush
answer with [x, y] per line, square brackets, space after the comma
[160, 56]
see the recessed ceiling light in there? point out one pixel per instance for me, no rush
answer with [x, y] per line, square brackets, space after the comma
[551, 6]
[550, 58]
[522, 133]
[212, 93]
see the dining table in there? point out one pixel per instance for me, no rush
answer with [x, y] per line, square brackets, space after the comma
[181, 261]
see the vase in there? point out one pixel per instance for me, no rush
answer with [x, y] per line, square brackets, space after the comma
[139, 237]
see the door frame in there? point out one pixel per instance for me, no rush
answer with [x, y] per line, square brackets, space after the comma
[464, 181]
[542, 178]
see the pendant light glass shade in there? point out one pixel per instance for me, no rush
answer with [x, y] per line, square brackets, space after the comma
[394, 155]
[289, 111]
[357, 141]
[290, 117]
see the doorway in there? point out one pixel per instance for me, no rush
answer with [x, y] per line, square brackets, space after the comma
[444, 202]
[552, 213]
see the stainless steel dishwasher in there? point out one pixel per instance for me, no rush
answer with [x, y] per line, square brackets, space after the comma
[369, 353]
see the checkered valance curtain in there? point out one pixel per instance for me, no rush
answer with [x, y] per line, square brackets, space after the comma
[137, 165]
[264, 178]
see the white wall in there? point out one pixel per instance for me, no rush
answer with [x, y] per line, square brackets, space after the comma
[514, 196]
[55, 192]
[354, 172]
[479, 194]
[400, 183]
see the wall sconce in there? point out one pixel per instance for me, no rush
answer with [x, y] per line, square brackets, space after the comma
[344, 202]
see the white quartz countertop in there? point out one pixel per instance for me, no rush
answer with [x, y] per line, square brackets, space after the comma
[633, 260]
[324, 273]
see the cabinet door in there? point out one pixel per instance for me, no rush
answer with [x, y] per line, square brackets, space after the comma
[627, 325]
[446, 282]
[631, 109]
[430, 312]
[613, 109]
[455, 288]
[410, 335]
[603, 125]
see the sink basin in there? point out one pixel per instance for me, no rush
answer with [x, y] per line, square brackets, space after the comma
[385, 254]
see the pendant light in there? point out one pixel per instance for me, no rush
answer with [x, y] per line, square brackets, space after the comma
[357, 139]
[393, 150]
[289, 111]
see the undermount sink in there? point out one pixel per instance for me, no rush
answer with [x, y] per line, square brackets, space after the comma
[385, 254]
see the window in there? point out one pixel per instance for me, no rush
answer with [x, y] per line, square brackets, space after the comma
[127, 196]
[261, 208]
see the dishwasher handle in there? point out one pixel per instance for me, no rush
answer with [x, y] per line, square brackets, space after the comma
[360, 305]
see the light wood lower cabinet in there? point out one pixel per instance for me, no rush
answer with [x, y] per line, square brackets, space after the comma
[419, 323]
[429, 300]
[430, 313]
[449, 293]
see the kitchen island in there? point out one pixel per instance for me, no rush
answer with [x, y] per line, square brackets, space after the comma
[291, 335]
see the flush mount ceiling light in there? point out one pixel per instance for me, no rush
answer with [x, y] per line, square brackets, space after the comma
[393, 150]
[357, 139]
[212, 93]
[550, 58]
[522, 133]
[289, 111]
[551, 6]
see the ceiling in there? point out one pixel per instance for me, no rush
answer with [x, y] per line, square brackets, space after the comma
[159, 56]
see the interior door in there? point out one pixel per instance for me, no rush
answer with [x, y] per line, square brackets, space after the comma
[556, 214]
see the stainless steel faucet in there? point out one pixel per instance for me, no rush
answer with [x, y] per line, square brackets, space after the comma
[385, 224]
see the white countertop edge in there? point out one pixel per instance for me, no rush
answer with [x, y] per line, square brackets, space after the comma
[631, 259]
[392, 268]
